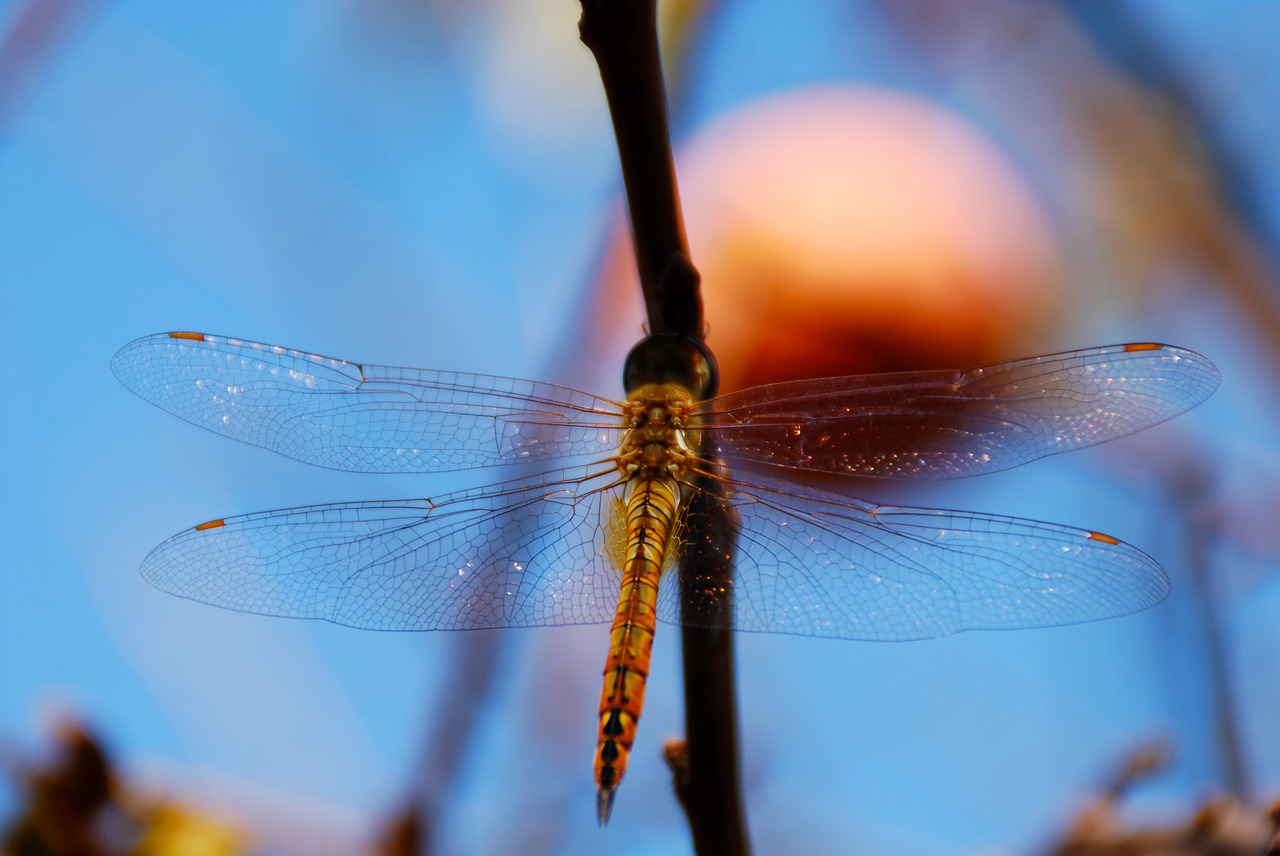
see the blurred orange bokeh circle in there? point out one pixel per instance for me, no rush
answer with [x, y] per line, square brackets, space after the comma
[846, 229]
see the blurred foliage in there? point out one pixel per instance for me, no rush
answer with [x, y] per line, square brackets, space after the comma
[76, 805]
[1220, 827]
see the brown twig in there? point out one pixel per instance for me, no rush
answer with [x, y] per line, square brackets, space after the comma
[706, 777]
[622, 35]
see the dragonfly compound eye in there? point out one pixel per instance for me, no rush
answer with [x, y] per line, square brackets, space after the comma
[672, 359]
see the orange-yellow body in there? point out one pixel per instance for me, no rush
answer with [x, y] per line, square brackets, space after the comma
[655, 457]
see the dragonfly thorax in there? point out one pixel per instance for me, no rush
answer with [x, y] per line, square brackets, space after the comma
[657, 441]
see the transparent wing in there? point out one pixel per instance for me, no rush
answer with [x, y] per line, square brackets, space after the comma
[363, 418]
[948, 424]
[814, 563]
[522, 553]
[529, 552]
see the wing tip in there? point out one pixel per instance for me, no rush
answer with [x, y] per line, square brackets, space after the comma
[124, 361]
[1146, 584]
[1201, 377]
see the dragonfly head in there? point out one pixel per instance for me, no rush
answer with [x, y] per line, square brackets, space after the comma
[672, 358]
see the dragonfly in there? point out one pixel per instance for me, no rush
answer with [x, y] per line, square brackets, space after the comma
[595, 515]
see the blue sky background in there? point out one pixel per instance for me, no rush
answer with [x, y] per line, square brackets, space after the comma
[431, 185]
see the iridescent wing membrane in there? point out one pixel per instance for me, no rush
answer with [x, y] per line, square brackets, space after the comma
[363, 418]
[531, 551]
[950, 424]
[522, 553]
[814, 563]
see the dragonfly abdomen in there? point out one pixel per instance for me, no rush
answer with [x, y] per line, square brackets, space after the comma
[652, 501]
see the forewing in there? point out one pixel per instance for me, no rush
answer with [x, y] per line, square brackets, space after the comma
[523, 553]
[948, 424]
[814, 563]
[363, 418]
